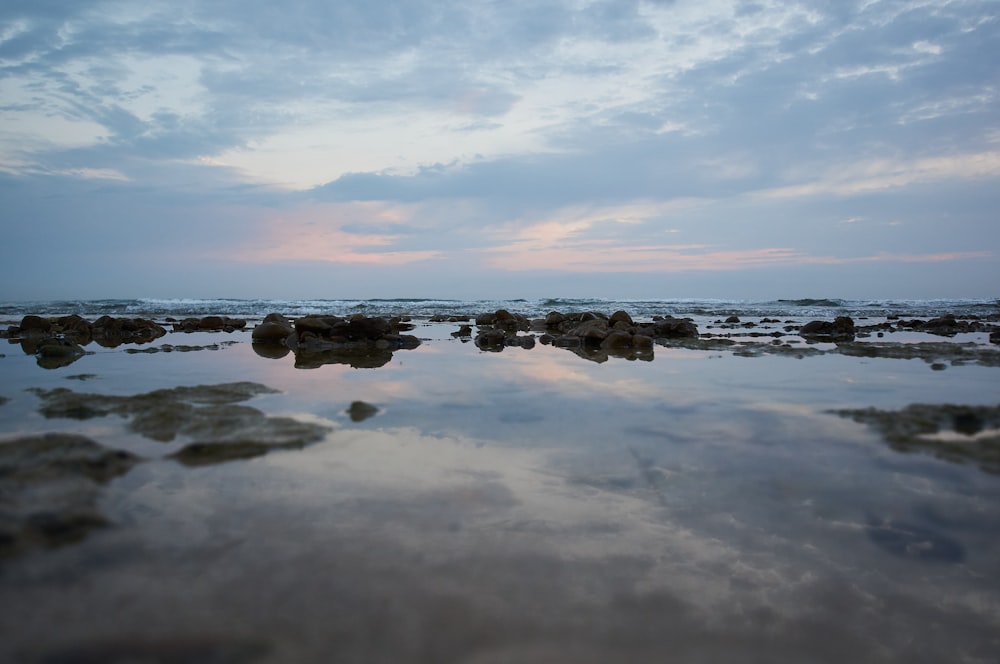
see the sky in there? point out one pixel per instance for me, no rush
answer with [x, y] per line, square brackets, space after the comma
[487, 149]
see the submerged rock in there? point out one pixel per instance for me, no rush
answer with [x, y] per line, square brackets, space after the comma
[50, 485]
[950, 432]
[360, 411]
[211, 416]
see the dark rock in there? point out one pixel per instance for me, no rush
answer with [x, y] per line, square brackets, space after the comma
[733, 319]
[841, 328]
[595, 329]
[554, 318]
[672, 328]
[205, 454]
[620, 317]
[617, 340]
[272, 331]
[463, 331]
[75, 328]
[360, 327]
[31, 324]
[360, 411]
[642, 342]
[491, 340]
[112, 332]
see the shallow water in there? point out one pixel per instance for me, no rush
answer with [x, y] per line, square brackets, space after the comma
[527, 506]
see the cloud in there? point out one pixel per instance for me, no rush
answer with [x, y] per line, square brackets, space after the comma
[478, 124]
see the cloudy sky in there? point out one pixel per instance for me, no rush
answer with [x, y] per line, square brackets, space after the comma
[479, 149]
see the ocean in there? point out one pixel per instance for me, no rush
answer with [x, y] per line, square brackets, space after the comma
[427, 308]
[751, 494]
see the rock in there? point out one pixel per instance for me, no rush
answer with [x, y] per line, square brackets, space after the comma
[205, 454]
[34, 325]
[620, 317]
[841, 328]
[617, 340]
[51, 485]
[221, 427]
[670, 327]
[595, 329]
[463, 331]
[554, 319]
[733, 319]
[359, 411]
[272, 330]
[491, 340]
[112, 332]
[75, 328]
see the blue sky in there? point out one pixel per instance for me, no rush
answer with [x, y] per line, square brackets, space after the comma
[711, 148]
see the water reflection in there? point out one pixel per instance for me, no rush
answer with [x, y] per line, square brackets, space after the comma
[517, 506]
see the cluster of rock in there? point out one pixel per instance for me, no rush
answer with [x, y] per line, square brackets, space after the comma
[105, 331]
[586, 330]
[60, 340]
[842, 327]
[51, 483]
[210, 324]
[358, 340]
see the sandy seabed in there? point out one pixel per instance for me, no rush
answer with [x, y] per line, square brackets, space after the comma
[730, 498]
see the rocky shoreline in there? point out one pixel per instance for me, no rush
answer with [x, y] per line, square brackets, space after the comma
[370, 341]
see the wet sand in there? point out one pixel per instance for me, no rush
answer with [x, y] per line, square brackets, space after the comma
[730, 498]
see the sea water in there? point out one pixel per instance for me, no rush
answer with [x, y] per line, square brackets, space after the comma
[529, 505]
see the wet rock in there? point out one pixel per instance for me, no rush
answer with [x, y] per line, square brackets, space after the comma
[617, 340]
[841, 328]
[274, 329]
[733, 319]
[491, 339]
[112, 332]
[210, 324]
[34, 325]
[554, 319]
[360, 411]
[463, 331]
[50, 485]
[672, 328]
[620, 317]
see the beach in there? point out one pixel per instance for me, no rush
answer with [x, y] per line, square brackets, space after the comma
[437, 481]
